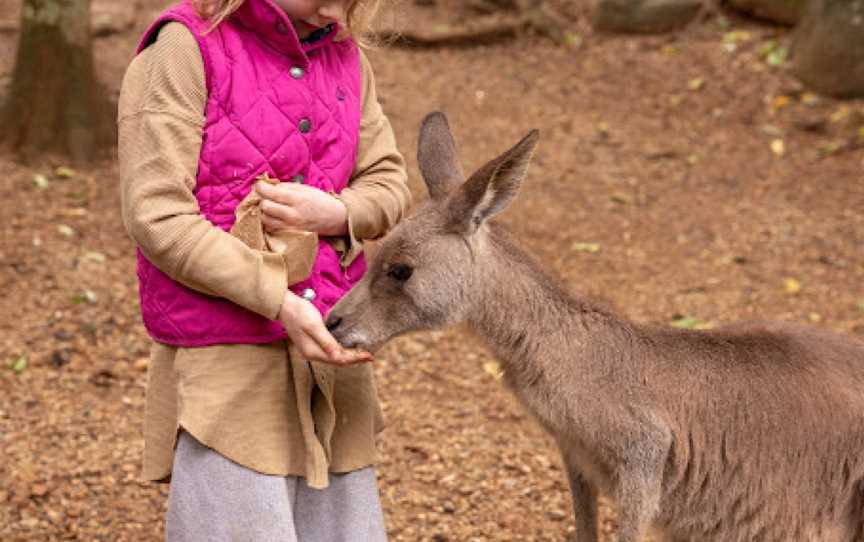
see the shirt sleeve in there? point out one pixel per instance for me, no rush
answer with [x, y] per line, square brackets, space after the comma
[160, 120]
[377, 196]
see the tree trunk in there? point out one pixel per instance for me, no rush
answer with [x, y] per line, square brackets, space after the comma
[55, 104]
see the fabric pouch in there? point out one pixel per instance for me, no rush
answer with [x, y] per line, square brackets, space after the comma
[298, 248]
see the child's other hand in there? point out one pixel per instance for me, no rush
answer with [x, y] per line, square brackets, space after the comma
[307, 331]
[292, 206]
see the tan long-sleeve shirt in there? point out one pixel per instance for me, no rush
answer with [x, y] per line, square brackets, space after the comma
[255, 404]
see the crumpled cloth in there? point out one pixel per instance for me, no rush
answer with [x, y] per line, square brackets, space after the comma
[298, 247]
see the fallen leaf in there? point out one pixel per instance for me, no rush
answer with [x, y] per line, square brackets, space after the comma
[64, 172]
[74, 212]
[814, 317]
[585, 247]
[87, 296]
[737, 36]
[840, 114]
[690, 322]
[777, 57]
[41, 181]
[773, 53]
[65, 230]
[620, 198]
[696, 84]
[669, 50]
[778, 147]
[572, 39]
[556, 514]
[19, 365]
[830, 147]
[493, 369]
[93, 256]
[733, 38]
[779, 102]
[791, 286]
[809, 98]
[860, 306]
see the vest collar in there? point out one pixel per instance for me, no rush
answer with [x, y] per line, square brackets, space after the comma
[267, 20]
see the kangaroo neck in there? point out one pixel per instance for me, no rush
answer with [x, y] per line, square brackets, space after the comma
[532, 324]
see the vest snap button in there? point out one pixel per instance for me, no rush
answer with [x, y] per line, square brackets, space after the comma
[304, 126]
[299, 178]
[308, 294]
[297, 72]
[281, 27]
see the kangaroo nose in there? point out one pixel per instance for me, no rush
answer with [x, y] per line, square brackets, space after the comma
[333, 322]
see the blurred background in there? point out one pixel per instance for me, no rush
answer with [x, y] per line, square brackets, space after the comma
[700, 163]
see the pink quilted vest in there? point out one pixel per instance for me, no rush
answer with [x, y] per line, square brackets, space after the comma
[274, 105]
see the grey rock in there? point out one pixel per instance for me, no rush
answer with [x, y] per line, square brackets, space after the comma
[787, 12]
[827, 52]
[642, 15]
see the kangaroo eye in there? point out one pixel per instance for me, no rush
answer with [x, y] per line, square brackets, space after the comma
[400, 272]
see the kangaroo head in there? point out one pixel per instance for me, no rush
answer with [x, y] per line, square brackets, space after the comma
[426, 272]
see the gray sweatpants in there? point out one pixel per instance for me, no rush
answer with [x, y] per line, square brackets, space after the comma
[213, 499]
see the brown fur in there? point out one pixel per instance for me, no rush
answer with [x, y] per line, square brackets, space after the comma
[754, 432]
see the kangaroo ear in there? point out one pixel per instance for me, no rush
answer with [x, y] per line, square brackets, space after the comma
[492, 187]
[436, 154]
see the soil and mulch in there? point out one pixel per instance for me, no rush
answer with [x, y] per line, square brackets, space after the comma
[685, 177]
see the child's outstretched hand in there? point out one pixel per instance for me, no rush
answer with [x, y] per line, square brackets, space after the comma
[307, 331]
[293, 206]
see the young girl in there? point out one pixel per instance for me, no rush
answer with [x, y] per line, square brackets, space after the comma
[263, 425]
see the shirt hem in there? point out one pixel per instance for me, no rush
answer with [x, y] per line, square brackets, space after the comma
[213, 341]
[163, 475]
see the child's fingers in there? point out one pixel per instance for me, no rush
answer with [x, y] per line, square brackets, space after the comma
[265, 190]
[273, 225]
[280, 212]
[352, 357]
[311, 351]
[336, 354]
[270, 224]
[284, 193]
[325, 340]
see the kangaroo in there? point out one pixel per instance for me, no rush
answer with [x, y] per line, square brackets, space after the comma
[753, 432]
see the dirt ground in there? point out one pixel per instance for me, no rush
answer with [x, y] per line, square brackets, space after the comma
[675, 177]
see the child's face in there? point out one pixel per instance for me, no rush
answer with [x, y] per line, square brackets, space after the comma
[310, 15]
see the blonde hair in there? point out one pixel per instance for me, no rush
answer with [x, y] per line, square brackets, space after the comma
[360, 14]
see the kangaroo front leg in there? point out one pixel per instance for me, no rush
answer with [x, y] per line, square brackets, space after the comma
[584, 505]
[637, 485]
[637, 500]
[637, 489]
